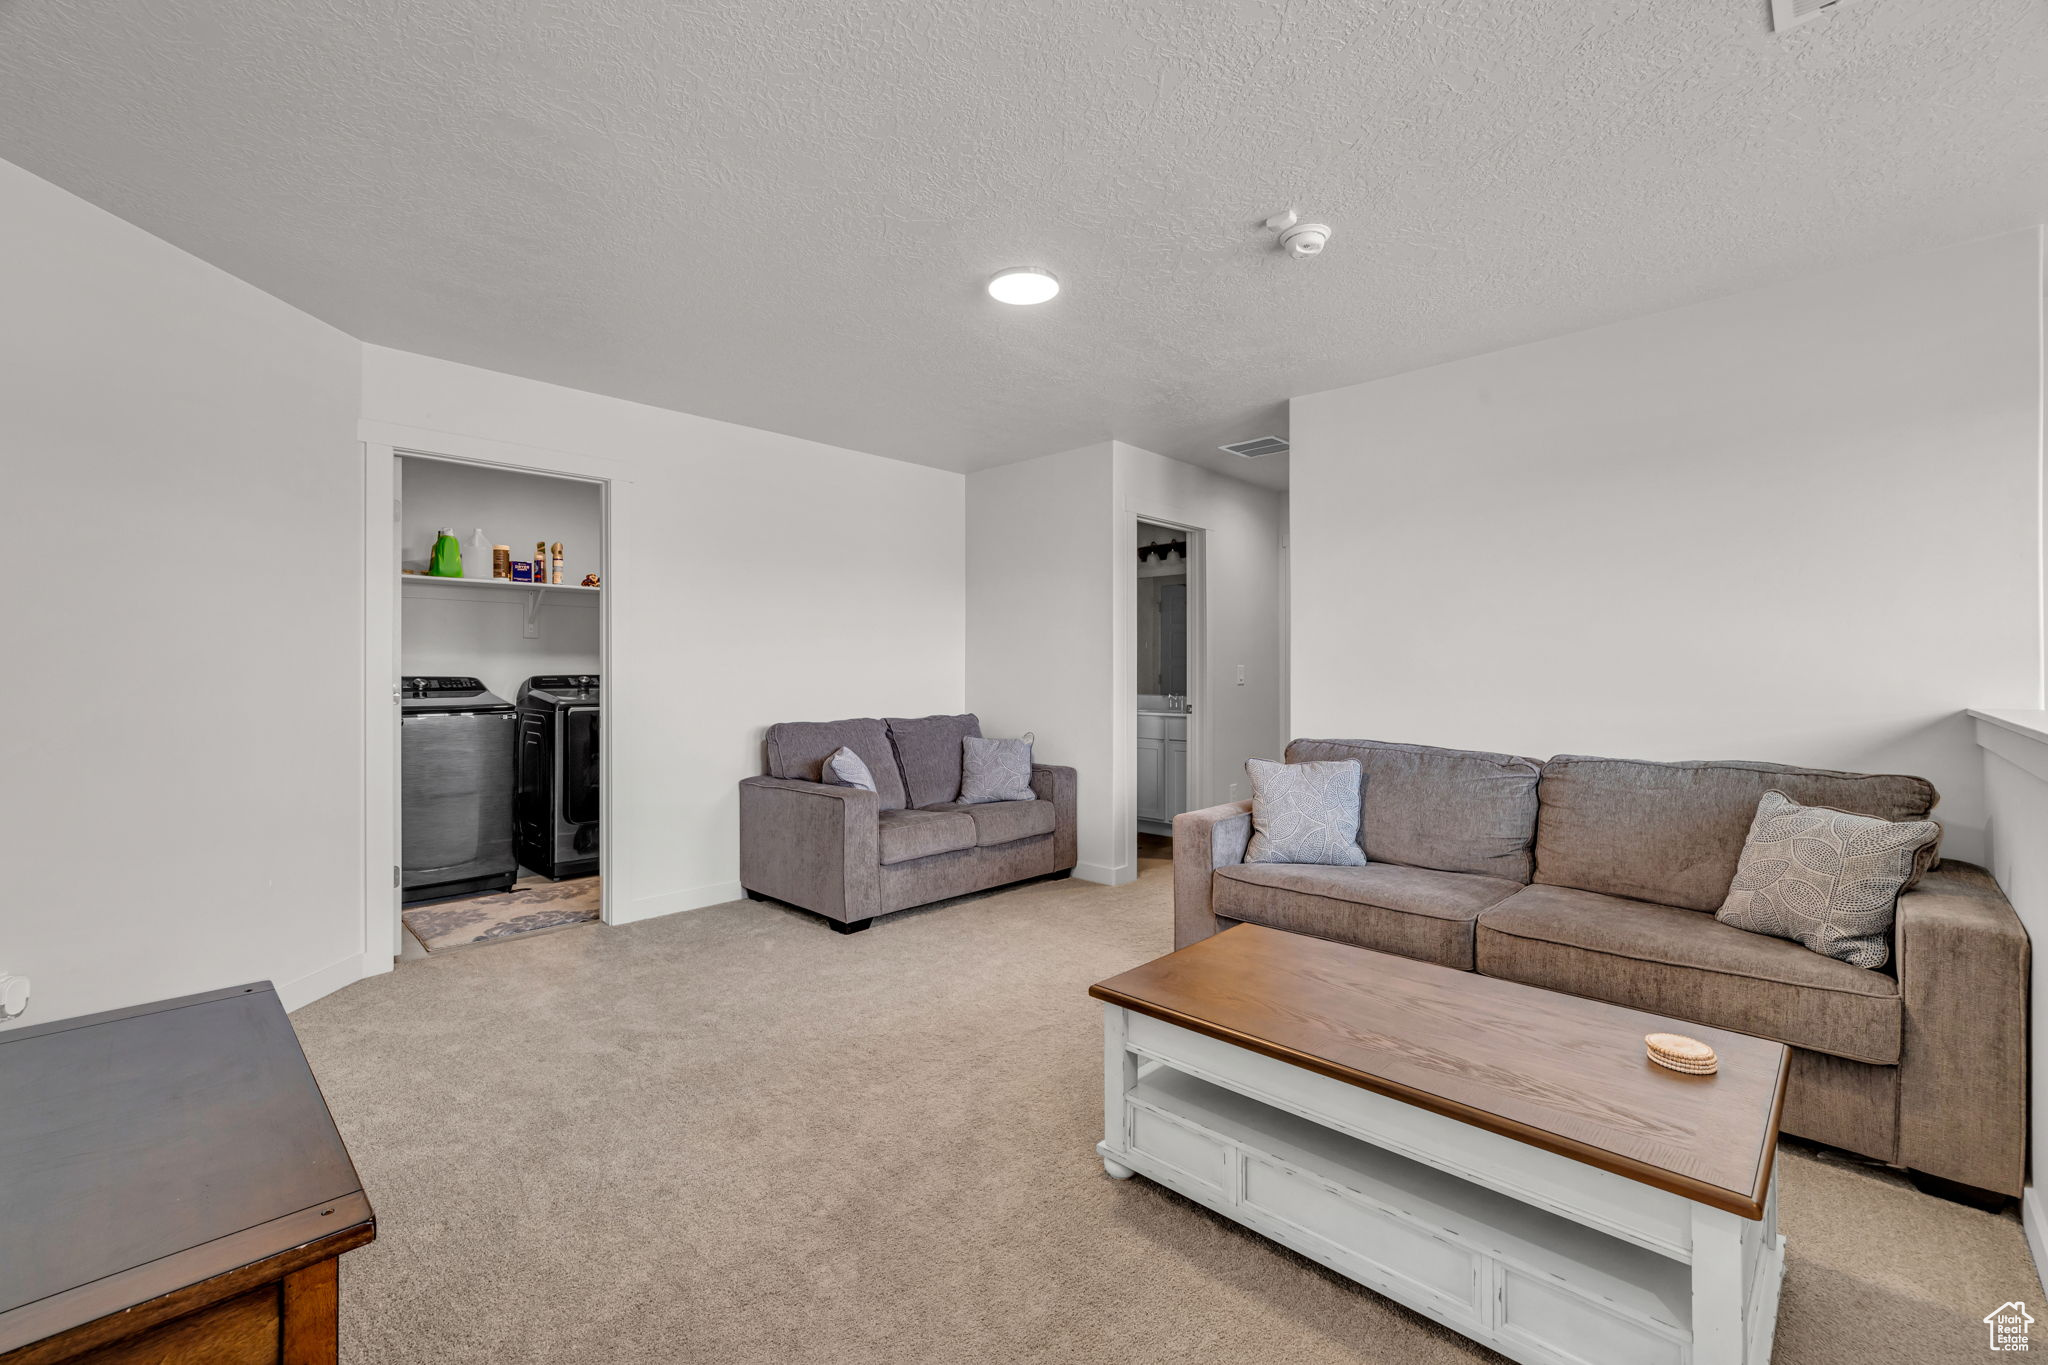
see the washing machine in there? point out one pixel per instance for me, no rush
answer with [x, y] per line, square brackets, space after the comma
[556, 825]
[456, 746]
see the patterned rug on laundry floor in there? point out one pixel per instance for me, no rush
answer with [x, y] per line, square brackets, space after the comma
[534, 905]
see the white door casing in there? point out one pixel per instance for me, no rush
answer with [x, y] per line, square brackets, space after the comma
[383, 444]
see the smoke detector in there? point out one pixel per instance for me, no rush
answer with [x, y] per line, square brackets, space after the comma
[1258, 446]
[1792, 13]
[1298, 239]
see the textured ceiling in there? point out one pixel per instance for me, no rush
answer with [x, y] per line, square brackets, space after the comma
[782, 214]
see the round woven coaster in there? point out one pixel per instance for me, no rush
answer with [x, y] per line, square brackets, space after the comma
[1707, 1070]
[1680, 1053]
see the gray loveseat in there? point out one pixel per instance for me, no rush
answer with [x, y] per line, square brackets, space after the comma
[850, 855]
[1599, 877]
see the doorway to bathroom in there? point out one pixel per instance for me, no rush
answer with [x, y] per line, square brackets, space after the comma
[1166, 681]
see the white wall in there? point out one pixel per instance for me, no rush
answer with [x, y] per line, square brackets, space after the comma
[1798, 524]
[187, 804]
[1051, 639]
[2015, 757]
[1041, 537]
[480, 631]
[183, 797]
[751, 578]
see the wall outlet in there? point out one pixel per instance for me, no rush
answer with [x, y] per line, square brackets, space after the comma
[1240, 675]
[1233, 791]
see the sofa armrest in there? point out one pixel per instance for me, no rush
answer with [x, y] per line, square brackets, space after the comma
[1962, 965]
[812, 845]
[1204, 840]
[1059, 785]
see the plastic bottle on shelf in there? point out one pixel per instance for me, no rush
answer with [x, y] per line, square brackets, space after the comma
[476, 556]
[447, 559]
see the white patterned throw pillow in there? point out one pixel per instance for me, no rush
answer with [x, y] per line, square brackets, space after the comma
[1306, 812]
[845, 768]
[995, 770]
[1826, 879]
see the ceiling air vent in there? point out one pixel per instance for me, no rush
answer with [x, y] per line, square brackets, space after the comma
[1253, 449]
[1792, 13]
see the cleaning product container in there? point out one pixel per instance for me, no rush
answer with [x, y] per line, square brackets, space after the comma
[476, 556]
[447, 560]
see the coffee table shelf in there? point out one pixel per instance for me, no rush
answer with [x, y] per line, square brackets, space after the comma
[1324, 1188]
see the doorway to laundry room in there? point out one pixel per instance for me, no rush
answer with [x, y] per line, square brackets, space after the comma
[500, 652]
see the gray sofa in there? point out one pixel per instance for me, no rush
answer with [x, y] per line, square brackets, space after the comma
[850, 855]
[1599, 877]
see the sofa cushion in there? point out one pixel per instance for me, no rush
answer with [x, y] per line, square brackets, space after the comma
[1002, 822]
[1455, 810]
[1305, 812]
[844, 768]
[798, 749]
[1672, 832]
[1414, 911]
[928, 748]
[1825, 879]
[995, 770]
[1670, 960]
[906, 834]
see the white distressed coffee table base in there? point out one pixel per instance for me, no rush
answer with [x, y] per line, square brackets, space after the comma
[1537, 1256]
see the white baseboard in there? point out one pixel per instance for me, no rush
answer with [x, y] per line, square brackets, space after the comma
[2034, 1221]
[1120, 875]
[304, 990]
[672, 902]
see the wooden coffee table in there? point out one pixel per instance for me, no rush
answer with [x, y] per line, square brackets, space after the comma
[1501, 1158]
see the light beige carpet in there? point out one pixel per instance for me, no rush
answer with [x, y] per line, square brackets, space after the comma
[735, 1136]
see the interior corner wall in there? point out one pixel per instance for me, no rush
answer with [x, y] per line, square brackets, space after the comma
[184, 768]
[751, 578]
[1051, 592]
[1040, 613]
[1799, 524]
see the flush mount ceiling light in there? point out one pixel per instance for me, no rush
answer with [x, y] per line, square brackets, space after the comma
[1023, 284]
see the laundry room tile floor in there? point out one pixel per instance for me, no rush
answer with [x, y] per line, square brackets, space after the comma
[534, 905]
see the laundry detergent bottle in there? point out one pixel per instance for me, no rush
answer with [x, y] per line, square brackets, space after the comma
[476, 559]
[447, 560]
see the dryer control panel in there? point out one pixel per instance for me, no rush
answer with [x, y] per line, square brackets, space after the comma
[564, 682]
[433, 687]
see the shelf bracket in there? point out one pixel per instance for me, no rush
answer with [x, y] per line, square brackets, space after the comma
[533, 614]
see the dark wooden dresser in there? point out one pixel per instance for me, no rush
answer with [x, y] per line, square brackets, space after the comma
[172, 1189]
